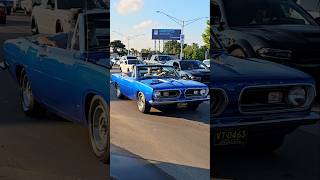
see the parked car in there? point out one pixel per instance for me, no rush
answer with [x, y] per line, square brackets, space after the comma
[159, 59]
[67, 75]
[279, 31]
[3, 14]
[8, 4]
[312, 6]
[54, 16]
[159, 86]
[27, 5]
[191, 70]
[256, 103]
[207, 62]
[16, 5]
[127, 63]
[114, 61]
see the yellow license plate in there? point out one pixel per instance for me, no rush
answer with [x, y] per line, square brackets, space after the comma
[182, 105]
[230, 136]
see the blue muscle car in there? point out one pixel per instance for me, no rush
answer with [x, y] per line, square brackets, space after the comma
[67, 74]
[255, 103]
[158, 86]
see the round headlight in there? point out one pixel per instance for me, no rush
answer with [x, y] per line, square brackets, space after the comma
[204, 92]
[157, 94]
[297, 96]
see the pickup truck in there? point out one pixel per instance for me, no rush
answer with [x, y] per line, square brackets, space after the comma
[67, 74]
[159, 59]
[54, 16]
[8, 4]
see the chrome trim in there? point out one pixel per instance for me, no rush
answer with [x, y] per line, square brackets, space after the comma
[226, 99]
[177, 101]
[179, 95]
[310, 117]
[196, 89]
[306, 106]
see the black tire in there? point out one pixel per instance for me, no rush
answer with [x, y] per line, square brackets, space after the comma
[238, 52]
[59, 28]
[118, 92]
[143, 105]
[99, 128]
[9, 10]
[34, 27]
[30, 106]
[193, 106]
[265, 143]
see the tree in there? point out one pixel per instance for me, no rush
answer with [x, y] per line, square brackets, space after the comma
[195, 52]
[206, 35]
[117, 46]
[172, 47]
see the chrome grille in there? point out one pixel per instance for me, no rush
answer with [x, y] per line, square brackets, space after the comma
[257, 99]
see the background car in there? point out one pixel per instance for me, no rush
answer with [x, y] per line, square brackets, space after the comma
[312, 6]
[54, 16]
[159, 86]
[191, 70]
[127, 63]
[278, 31]
[3, 14]
[207, 62]
[8, 4]
[27, 5]
[159, 59]
[114, 61]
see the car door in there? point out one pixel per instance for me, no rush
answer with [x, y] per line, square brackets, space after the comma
[59, 69]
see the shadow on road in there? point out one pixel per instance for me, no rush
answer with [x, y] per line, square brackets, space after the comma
[126, 165]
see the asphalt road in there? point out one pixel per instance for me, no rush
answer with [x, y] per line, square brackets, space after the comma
[37, 149]
[175, 142]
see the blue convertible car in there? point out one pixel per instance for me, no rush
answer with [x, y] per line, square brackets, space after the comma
[159, 86]
[68, 75]
[255, 103]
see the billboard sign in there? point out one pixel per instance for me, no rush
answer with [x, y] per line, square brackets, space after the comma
[166, 34]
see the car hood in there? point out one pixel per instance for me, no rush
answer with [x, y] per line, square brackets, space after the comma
[170, 83]
[229, 69]
[285, 36]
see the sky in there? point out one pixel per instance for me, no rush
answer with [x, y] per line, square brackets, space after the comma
[139, 17]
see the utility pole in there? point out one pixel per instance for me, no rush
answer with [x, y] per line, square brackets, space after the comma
[183, 24]
[129, 38]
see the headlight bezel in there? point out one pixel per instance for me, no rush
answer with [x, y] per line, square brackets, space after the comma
[296, 94]
[274, 53]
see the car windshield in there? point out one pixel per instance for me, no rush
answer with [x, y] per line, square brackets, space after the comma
[159, 72]
[134, 61]
[134, 58]
[190, 65]
[206, 62]
[97, 32]
[83, 4]
[265, 12]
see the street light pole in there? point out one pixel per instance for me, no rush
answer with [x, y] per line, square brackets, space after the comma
[183, 24]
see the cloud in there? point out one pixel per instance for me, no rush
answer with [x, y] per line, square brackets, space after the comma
[125, 7]
[144, 25]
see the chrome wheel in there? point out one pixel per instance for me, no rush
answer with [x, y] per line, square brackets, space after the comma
[27, 96]
[141, 102]
[99, 128]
